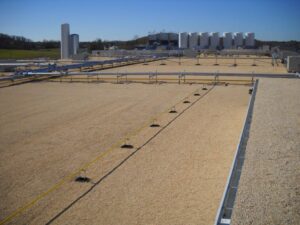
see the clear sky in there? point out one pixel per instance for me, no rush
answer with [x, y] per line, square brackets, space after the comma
[123, 19]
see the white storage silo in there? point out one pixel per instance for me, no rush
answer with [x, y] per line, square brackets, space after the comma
[74, 44]
[238, 39]
[194, 40]
[227, 40]
[183, 40]
[250, 39]
[65, 41]
[214, 40]
[204, 40]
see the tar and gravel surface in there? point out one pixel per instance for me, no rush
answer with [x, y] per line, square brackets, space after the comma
[176, 177]
[269, 189]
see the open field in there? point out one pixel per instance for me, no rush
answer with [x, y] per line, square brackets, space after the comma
[29, 54]
[176, 176]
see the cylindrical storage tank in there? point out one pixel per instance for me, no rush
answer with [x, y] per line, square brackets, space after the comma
[214, 40]
[204, 40]
[238, 39]
[183, 40]
[227, 40]
[194, 41]
[65, 41]
[74, 44]
[250, 40]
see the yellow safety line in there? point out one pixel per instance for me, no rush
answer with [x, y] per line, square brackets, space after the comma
[84, 167]
[53, 188]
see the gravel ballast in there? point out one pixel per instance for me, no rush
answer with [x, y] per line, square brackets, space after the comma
[269, 189]
[174, 177]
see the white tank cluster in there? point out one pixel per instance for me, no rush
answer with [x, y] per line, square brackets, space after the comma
[69, 44]
[212, 40]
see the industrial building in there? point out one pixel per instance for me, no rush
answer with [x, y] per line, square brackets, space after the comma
[204, 40]
[167, 40]
[238, 39]
[227, 40]
[69, 43]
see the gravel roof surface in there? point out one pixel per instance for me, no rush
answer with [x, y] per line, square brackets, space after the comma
[269, 189]
[49, 130]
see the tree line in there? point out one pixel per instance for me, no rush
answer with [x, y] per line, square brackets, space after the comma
[19, 42]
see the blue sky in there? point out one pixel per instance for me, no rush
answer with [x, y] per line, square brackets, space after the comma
[122, 20]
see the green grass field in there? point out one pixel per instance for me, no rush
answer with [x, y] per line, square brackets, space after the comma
[29, 54]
